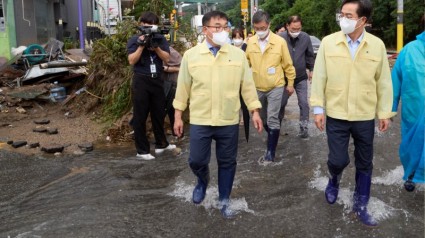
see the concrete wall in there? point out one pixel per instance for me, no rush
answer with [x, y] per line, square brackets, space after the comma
[72, 11]
[35, 22]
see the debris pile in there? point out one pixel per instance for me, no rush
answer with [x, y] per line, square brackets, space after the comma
[37, 75]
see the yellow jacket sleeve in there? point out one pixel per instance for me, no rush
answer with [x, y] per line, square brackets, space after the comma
[248, 91]
[318, 86]
[384, 89]
[184, 83]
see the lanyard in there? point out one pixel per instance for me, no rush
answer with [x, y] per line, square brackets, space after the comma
[152, 66]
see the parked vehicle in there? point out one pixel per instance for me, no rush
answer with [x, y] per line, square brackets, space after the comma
[316, 44]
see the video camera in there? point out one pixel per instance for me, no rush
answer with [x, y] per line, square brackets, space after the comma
[152, 35]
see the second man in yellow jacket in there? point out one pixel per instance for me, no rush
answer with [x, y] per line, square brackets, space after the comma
[271, 63]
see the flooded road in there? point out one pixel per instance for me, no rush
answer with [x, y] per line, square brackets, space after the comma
[109, 193]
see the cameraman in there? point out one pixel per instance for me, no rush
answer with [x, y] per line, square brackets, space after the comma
[146, 52]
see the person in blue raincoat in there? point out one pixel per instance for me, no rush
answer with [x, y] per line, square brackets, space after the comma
[408, 77]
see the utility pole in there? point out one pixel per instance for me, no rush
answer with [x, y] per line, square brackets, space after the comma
[80, 24]
[199, 8]
[244, 13]
[400, 15]
[252, 10]
[107, 18]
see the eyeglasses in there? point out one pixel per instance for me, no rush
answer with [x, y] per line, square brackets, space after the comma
[219, 28]
[348, 16]
[261, 28]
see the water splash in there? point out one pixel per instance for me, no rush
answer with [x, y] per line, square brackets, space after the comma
[264, 163]
[393, 177]
[378, 209]
[184, 191]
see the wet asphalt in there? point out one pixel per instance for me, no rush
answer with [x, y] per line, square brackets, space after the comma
[109, 193]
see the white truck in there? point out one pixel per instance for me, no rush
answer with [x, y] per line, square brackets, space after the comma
[108, 14]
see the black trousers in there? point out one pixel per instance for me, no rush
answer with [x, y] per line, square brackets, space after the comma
[148, 97]
[226, 150]
[338, 133]
[170, 92]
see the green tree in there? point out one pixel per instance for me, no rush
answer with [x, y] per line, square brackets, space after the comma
[234, 13]
[276, 9]
[382, 20]
[159, 7]
[413, 14]
[318, 23]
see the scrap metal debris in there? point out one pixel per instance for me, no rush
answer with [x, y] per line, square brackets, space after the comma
[34, 71]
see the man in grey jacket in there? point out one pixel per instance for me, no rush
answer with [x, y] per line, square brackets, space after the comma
[302, 54]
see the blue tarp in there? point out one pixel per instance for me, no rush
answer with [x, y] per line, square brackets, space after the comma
[408, 77]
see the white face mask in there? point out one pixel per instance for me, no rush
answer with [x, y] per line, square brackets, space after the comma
[294, 34]
[237, 42]
[348, 25]
[262, 34]
[220, 38]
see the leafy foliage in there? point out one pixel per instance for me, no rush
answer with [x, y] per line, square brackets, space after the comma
[277, 10]
[109, 72]
[234, 15]
[186, 32]
[413, 14]
[159, 7]
[318, 23]
[319, 17]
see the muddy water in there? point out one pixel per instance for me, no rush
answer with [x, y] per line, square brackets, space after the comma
[108, 193]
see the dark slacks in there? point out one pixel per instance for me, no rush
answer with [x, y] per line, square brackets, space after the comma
[338, 133]
[148, 97]
[170, 93]
[226, 138]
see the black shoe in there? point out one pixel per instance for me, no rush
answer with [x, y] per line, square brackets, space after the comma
[409, 185]
[304, 134]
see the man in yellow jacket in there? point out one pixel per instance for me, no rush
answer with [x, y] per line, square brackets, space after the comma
[212, 76]
[271, 63]
[352, 83]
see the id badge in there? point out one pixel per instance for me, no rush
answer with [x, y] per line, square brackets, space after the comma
[153, 68]
[271, 70]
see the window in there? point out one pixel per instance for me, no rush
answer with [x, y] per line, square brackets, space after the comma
[1, 9]
[2, 18]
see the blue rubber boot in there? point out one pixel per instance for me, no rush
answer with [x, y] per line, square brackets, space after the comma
[225, 210]
[361, 199]
[272, 138]
[332, 189]
[201, 188]
[225, 184]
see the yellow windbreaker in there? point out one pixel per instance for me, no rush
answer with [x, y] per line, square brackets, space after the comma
[271, 67]
[352, 89]
[212, 85]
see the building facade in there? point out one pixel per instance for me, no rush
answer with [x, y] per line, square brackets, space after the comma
[36, 21]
